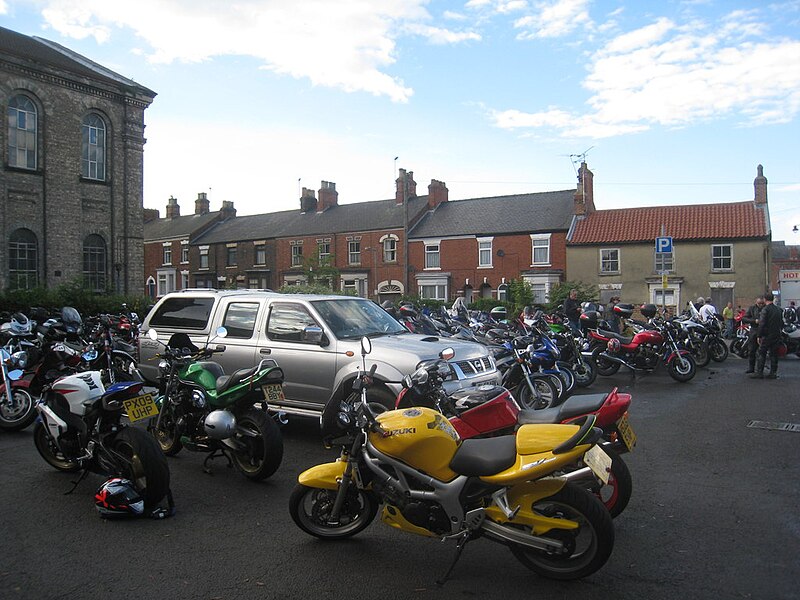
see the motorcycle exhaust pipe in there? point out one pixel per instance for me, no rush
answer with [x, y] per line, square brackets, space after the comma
[616, 359]
[506, 535]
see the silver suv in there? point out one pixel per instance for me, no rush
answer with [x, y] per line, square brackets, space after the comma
[315, 339]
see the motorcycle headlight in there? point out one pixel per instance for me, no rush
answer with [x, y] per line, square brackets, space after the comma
[198, 399]
[20, 359]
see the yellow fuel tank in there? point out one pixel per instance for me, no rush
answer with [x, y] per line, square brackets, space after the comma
[420, 437]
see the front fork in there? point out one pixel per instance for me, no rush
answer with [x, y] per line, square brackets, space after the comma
[347, 478]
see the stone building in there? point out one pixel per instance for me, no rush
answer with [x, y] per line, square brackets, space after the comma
[71, 185]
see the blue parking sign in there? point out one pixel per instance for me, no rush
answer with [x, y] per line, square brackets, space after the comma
[663, 244]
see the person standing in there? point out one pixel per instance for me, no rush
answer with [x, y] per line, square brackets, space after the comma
[751, 317]
[572, 310]
[613, 317]
[770, 323]
[727, 315]
[707, 310]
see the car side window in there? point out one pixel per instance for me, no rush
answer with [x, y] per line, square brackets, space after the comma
[287, 322]
[240, 319]
[183, 313]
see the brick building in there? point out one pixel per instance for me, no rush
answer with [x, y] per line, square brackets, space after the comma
[72, 180]
[785, 273]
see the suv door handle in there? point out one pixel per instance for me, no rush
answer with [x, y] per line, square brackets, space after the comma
[265, 351]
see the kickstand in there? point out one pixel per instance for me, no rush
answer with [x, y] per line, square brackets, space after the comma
[212, 456]
[77, 482]
[463, 539]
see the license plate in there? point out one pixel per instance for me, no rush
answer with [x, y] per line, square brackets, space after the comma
[273, 392]
[599, 462]
[626, 431]
[140, 407]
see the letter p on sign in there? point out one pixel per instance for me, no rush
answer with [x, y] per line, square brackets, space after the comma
[663, 244]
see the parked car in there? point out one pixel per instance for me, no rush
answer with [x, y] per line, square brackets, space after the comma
[315, 339]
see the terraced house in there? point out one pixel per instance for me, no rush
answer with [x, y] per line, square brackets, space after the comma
[72, 179]
[718, 250]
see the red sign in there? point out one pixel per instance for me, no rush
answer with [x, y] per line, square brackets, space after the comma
[790, 275]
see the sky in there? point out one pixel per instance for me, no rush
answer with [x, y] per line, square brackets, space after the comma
[668, 102]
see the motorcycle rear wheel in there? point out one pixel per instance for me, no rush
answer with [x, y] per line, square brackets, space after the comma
[310, 509]
[144, 465]
[701, 353]
[50, 453]
[545, 396]
[588, 547]
[617, 493]
[22, 415]
[585, 372]
[718, 350]
[264, 449]
[740, 347]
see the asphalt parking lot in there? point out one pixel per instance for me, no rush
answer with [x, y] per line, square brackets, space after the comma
[713, 515]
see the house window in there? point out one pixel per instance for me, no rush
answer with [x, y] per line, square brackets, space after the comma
[357, 286]
[354, 253]
[203, 258]
[432, 259]
[539, 291]
[23, 260]
[390, 249]
[21, 133]
[433, 292]
[663, 262]
[184, 280]
[184, 252]
[502, 292]
[167, 254]
[297, 255]
[324, 249]
[231, 258]
[261, 254]
[540, 249]
[93, 148]
[166, 281]
[485, 252]
[609, 260]
[721, 257]
[94, 263]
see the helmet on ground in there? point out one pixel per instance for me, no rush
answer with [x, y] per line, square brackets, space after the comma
[20, 324]
[118, 498]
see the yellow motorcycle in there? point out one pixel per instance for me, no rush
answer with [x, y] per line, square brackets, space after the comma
[430, 482]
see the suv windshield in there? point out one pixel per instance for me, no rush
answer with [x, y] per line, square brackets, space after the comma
[356, 318]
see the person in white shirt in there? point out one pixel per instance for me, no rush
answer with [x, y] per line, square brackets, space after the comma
[707, 311]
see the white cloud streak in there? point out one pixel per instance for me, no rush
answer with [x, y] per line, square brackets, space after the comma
[348, 44]
[675, 75]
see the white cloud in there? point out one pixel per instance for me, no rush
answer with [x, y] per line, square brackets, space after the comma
[348, 44]
[675, 75]
[553, 19]
[3, 7]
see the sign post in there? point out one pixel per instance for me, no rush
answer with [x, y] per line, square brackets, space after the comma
[664, 246]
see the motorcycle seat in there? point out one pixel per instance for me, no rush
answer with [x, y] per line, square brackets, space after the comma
[485, 456]
[124, 346]
[624, 339]
[572, 407]
[228, 381]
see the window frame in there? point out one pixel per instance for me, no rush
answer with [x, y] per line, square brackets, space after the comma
[24, 241]
[484, 260]
[203, 262]
[30, 136]
[430, 254]
[184, 252]
[727, 269]
[231, 255]
[166, 253]
[618, 260]
[389, 246]
[95, 256]
[664, 263]
[297, 255]
[259, 254]
[540, 237]
[96, 150]
[354, 256]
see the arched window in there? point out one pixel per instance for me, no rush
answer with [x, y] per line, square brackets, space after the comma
[94, 263]
[93, 148]
[21, 133]
[23, 260]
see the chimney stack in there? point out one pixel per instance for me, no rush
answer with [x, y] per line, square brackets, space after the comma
[406, 187]
[760, 185]
[173, 210]
[584, 194]
[227, 211]
[201, 206]
[150, 214]
[328, 196]
[308, 201]
[437, 193]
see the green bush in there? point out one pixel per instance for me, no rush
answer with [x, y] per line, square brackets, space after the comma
[560, 292]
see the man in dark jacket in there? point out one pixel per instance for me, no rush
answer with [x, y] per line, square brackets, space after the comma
[770, 323]
[751, 317]
[572, 310]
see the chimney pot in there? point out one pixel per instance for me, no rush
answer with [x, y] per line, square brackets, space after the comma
[328, 196]
[760, 187]
[201, 205]
[173, 209]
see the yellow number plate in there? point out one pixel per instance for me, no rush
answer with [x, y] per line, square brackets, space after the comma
[626, 431]
[140, 407]
[273, 392]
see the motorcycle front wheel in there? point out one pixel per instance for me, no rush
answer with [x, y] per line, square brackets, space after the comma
[682, 368]
[543, 396]
[740, 347]
[50, 452]
[166, 432]
[718, 350]
[21, 414]
[311, 508]
[586, 548]
[141, 461]
[261, 445]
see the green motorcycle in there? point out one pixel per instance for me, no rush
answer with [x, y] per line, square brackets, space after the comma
[204, 410]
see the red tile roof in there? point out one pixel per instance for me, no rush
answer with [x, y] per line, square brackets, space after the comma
[691, 222]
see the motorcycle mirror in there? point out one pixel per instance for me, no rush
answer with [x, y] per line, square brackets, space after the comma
[366, 345]
[447, 353]
[222, 332]
[152, 334]
[407, 382]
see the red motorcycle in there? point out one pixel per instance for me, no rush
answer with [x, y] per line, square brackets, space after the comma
[489, 410]
[653, 343]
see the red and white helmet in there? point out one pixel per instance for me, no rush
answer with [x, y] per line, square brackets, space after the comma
[118, 498]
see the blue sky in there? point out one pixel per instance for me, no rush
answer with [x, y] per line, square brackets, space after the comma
[672, 102]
